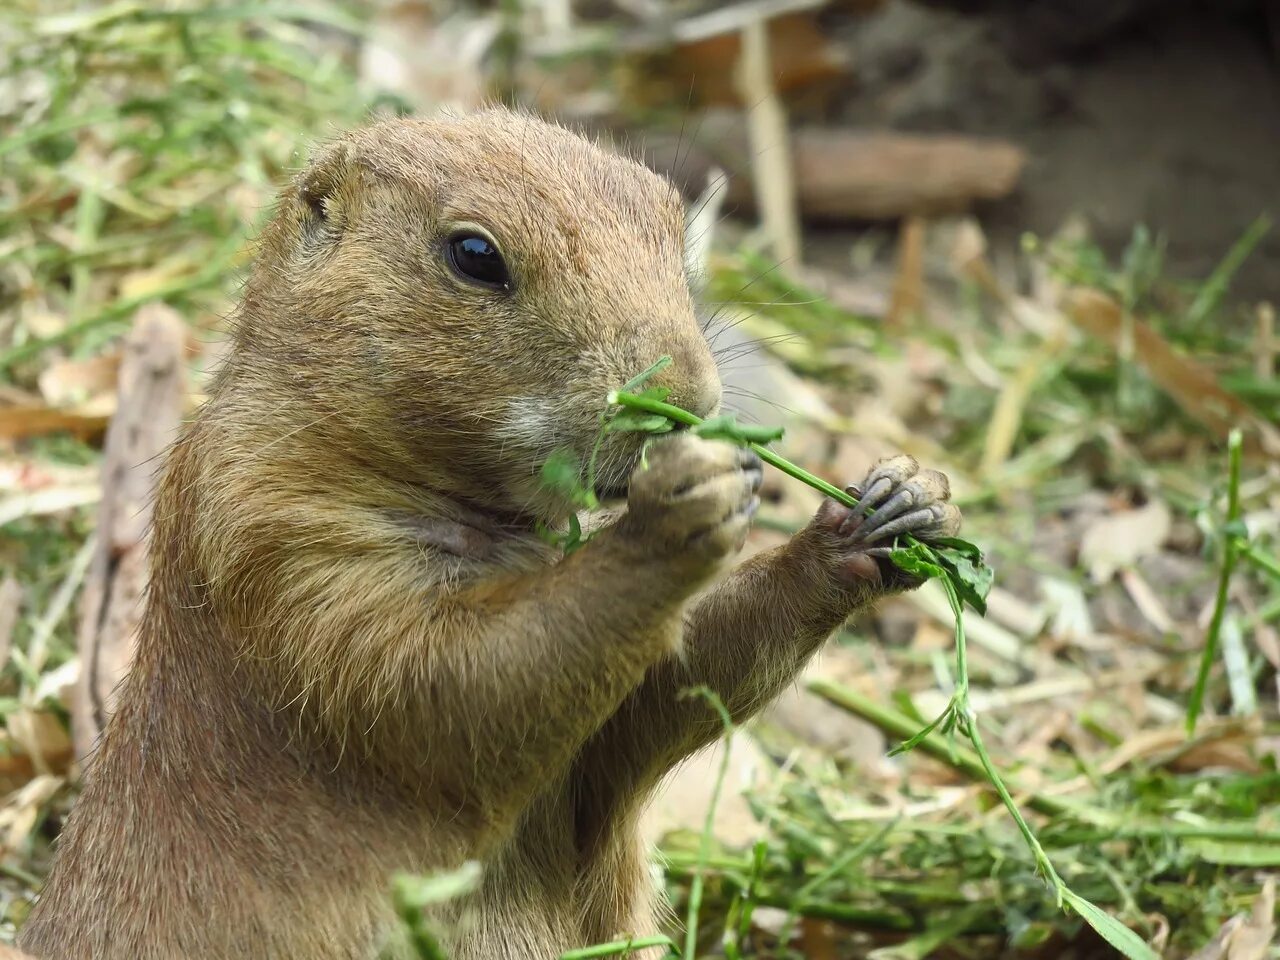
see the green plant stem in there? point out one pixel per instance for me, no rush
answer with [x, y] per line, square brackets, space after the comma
[616, 948]
[425, 944]
[672, 412]
[1230, 554]
[52, 128]
[1264, 562]
[881, 918]
[811, 886]
[747, 902]
[969, 726]
[1111, 825]
[959, 714]
[903, 727]
[708, 827]
[962, 646]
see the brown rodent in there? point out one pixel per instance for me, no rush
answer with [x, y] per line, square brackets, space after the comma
[358, 656]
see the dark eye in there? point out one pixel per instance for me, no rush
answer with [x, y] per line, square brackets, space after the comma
[474, 258]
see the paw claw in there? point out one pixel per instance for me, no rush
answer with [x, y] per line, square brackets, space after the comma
[892, 508]
[917, 521]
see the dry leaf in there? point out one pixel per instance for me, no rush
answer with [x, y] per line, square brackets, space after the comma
[21, 811]
[48, 501]
[1245, 937]
[1146, 599]
[42, 737]
[27, 476]
[1068, 610]
[818, 939]
[42, 324]
[1120, 539]
[72, 383]
[139, 284]
[803, 58]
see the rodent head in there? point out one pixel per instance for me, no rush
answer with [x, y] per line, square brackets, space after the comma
[459, 294]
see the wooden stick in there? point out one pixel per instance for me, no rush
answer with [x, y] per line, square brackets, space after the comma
[843, 175]
[775, 182]
[148, 415]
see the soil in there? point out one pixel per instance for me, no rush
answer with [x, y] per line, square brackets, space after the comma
[1166, 115]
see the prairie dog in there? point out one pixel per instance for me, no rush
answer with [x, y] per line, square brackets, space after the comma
[358, 656]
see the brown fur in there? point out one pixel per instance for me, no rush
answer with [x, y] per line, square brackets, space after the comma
[357, 656]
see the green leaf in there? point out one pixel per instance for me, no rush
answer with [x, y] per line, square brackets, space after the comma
[1235, 853]
[909, 745]
[562, 474]
[1109, 928]
[971, 577]
[970, 550]
[658, 394]
[918, 559]
[634, 421]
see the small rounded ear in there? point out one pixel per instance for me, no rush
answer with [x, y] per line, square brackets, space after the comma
[322, 187]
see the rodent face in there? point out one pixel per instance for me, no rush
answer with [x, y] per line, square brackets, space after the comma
[472, 383]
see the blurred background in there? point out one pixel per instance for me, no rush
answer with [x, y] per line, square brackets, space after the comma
[1029, 241]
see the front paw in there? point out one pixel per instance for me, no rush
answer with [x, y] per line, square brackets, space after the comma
[692, 502]
[897, 498]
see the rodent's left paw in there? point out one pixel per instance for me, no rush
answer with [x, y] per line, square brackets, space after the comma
[896, 498]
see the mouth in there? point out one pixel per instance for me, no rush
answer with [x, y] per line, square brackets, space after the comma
[611, 494]
[621, 455]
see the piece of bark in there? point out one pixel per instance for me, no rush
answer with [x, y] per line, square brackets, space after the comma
[148, 414]
[849, 175]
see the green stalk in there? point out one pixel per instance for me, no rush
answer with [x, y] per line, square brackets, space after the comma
[813, 884]
[969, 726]
[679, 415]
[1230, 554]
[616, 948]
[708, 827]
[1267, 564]
[902, 727]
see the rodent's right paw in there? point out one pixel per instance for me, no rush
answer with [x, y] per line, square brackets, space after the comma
[693, 500]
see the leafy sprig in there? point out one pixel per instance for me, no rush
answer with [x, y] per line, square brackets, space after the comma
[956, 564]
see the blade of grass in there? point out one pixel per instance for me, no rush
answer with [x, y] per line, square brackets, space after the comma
[708, 828]
[617, 948]
[1215, 288]
[1230, 554]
